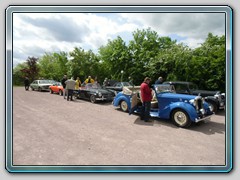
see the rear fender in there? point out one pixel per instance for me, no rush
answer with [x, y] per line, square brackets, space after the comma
[119, 99]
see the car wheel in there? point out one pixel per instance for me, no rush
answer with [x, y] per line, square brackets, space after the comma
[92, 99]
[124, 106]
[180, 118]
[60, 92]
[51, 91]
[39, 89]
[212, 106]
[32, 88]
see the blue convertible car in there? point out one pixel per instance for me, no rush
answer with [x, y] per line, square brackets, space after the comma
[166, 104]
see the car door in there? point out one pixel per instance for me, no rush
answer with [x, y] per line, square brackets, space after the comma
[134, 103]
[34, 84]
[82, 93]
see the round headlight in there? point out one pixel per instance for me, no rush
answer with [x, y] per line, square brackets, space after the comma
[193, 102]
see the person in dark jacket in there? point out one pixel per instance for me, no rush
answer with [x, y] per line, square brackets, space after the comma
[146, 97]
[159, 80]
[64, 79]
[26, 83]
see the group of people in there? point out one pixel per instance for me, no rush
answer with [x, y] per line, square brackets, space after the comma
[69, 85]
[146, 97]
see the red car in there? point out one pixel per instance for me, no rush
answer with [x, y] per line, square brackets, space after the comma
[56, 88]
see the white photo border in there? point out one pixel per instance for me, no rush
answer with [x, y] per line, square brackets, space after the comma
[117, 9]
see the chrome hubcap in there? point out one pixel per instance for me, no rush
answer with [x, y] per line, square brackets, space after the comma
[124, 105]
[180, 117]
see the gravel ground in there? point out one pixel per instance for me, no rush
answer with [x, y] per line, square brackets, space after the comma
[48, 130]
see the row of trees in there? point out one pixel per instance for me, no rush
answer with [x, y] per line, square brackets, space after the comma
[146, 55]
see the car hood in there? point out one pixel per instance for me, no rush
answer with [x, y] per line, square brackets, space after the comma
[103, 91]
[45, 84]
[204, 92]
[176, 96]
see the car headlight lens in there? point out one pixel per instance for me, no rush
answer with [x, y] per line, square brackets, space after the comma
[223, 95]
[193, 102]
[217, 96]
[202, 111]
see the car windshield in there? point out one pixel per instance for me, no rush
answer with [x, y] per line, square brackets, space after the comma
[161, 88]
[44, 81]
[57, 84]
[93, 86]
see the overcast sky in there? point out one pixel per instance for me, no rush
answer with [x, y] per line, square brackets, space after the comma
[37, 33]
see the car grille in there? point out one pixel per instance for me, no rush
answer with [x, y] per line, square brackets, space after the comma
[199, 103]
[45, 87]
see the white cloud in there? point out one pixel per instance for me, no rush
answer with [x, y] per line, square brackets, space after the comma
[37, 33]
[193, 26]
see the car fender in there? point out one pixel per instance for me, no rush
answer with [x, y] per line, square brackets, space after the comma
[188, 108]
[211, 99]
[119, 98]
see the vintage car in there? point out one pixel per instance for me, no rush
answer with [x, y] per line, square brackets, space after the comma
[41, 85]
[182, 109]
[215, 99]
[93, 92]
[56, 88]
[118, 86]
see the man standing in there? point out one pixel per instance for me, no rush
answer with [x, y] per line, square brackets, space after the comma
[64, 79]
[106, 82]
[26, 83]
[146, 96]
[159, 80]
[70, 86]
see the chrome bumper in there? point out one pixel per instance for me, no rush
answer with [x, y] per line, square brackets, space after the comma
[103, 99]
[222, 105]
[207, 118]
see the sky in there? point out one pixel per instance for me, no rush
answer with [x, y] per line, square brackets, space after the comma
[35, 34]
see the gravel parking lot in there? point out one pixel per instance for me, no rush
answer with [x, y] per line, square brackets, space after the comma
[48, 130]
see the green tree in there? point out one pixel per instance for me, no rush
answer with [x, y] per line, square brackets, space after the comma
[84, 63]
[209, 63]
[115, 57]
[53, 65]
[18, 74]
[148, 52]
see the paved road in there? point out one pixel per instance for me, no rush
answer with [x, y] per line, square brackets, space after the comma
[48, 130]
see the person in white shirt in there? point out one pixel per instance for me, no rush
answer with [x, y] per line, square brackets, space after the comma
[70, 86]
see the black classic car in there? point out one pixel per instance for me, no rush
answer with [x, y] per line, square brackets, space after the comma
[94, 92]
[118, 86]
[215, 99]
